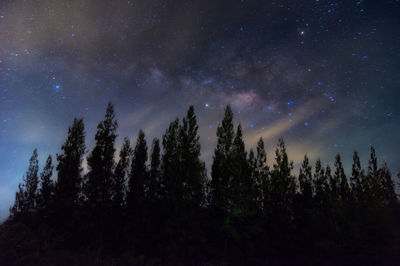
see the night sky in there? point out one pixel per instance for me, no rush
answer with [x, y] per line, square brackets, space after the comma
[323, 74]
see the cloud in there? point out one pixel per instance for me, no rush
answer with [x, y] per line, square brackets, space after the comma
[280, 127]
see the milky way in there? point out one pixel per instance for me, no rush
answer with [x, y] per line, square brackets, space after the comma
[325, 75]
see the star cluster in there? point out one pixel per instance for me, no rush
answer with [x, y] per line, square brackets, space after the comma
[323, 74]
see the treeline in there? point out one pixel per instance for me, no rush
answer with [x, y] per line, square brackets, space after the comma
[155, 205]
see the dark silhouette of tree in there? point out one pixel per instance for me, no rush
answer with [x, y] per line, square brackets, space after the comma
[101, 163]
[339, 185]
[32, 182]
[26, 199]
[328, 174]
[388, 187]
[47, 186]
[262, 181]
[357, 178]
[241, 183]
[184, 219]
[344, 189]
[252, 215]
[321, 184]
[282, 195]
[154, 192]
[120, 175]
[221, 167]
[19, 202]
[155, 206]
[192, 172]
[170, 166]
[373, 186]
[283, 184]
[137, 177]
[69, 168]
[256, 189]
[305, 181]
[305, 212]
[116, 230]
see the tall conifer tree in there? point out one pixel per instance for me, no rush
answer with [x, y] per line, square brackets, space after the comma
[241, 182]
[120, 175]
[342, 186]
[26, 198]
[32, 182]
[69, 168]
[192, 169]
[262, 174]
[172, 183]
[357, 177]
[101, 162]
[47, 186]
[388, 187]
[305, 180]
[283, 190]
[138, 176]
[221, 170]
[321, 185]
[154, 192]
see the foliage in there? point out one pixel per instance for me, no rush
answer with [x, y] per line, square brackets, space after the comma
[165, 211]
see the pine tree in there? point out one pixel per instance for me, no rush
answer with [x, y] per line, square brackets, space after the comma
[101, 162]
[305, 181]
[32, 182]
[120, 175]
[321, 185]
[69, 168]
[373, 185]
[282, 190]
[387, 184]
[172, 183]
[334, 181]
[357, 177]
[26, 198]
[342, 187]
[154, 192]
[241, 183]
[283, 185]
[47, 187]
[138, 176]
[329, 178]
[192, 169]
[221, 167]
[256, 189]
[19, 206]
[262, 175]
